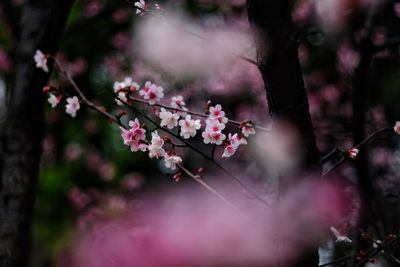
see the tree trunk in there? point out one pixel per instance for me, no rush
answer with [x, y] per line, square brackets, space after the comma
[42, 25]
[278, 62]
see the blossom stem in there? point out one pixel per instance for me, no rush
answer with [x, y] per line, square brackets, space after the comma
[248, 190]
[343, 156]
[198, 114]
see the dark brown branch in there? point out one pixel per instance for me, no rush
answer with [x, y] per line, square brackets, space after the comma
[278, 62]
[42, 26]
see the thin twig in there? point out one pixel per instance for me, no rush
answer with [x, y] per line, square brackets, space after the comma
[198, 114]
[248, 190]
[117, 122]
[344, 155]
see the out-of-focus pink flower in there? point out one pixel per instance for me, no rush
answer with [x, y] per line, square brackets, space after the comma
[120, 41]
[78, 198]
[72, 106]
[199, 231]
[78, 67]
[73, 151]
[302, 11]
[92, 8]
[396, 8]
[347, 58]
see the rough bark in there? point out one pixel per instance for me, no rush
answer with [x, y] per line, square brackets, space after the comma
[278, 62]
[42, 25]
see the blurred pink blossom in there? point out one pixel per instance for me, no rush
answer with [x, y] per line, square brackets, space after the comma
[201, 231]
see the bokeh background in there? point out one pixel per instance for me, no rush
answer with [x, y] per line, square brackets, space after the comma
[88, 176]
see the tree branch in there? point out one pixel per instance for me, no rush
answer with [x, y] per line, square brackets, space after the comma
[42, 25]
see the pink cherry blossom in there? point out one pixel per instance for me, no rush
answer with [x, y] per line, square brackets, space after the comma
[229, 151]
[137, 130]
[53, 100]
[127, 136]
[237, 139]
[138, 145]
[213, 137]
[152, 92]
[127, 83]
[217, 113]
[234, 141]
[179, 103]
[156, 147]
[171, 160]
[135, 136]
[189, 127]
[213, 132]
[41, 61]
[168, 119]
[72, 106]
[247, 130]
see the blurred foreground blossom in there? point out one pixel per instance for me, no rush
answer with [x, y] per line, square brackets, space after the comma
[201, 231]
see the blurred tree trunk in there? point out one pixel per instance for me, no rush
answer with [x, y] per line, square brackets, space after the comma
[42, 25]
[278, 62]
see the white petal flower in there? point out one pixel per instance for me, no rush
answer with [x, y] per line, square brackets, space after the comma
[168, 119]
[53, 100]
[189, 127]
[171, 160]
[156, 147]
[217, 113]
[41, 61]
[248, 130]
[72, 106]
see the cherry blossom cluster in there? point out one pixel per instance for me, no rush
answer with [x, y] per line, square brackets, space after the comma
[176, 116]
[72, 103]
[135, 138]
